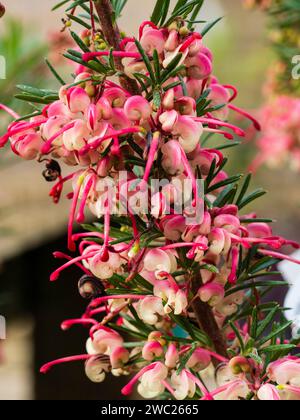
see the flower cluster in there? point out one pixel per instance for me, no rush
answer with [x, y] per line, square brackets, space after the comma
[280, 140]
[185, 287]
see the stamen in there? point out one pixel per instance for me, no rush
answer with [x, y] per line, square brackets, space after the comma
[54, 276]
[125, 41]
[128, 389]
[189, 41]
[48, 366]
[247, 115]
[152, 152]
[278, 255]
[9, 111]
[235, 91]
[235, 261]
[238, 131]
[199, 384]
[71, 244]
[80, 217]
[67, 257]
[224, 133]
[47, 146]
[66, 325]
[143, 26]
[21, 128]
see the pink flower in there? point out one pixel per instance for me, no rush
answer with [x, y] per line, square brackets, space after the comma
[233, 391]
[151, 379]
[104, 341]
[150, 309]
[157, 261]
[172, 356]
[285, 371]
[151, 383]
[183, 386]
[96, 368]
[153, 39]
[118, 357]
[174, 299]
[200, 360]
[137, 108]
[103, 267]
[268, 392]
[279, 142]
[212, 293]
[151, 350]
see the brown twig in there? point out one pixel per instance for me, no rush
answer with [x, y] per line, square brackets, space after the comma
[112, 35]
[206, 319]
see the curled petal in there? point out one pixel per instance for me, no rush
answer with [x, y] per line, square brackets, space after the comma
[137, 108]
[212, 293]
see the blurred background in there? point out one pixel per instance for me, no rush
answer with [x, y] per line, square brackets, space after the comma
[31, 227]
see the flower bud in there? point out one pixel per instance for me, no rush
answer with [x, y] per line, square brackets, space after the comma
[239, 365]
[90, 287]
[157, 336]
[151, 350]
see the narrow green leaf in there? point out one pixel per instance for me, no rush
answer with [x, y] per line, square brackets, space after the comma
[156, 65]
[263, 264]
[278, 348]
[210, 25]
[165, 11]
[195, 14]
[75, 4]
[170, 68]
[210, 267]
[255, 284]
[275, 333]
[244, 189]
[226, 196]
[36, 99]
[28, 116]
[238, 335]
[157, 12]
[251, 197]
[54, 72]
[79, 42]
[254, 321]
[257, 220]
[211, 173]
[224, 183]
[58, 5]
[186, 358]
[79, 21]
[267, 321]
[146, 60]
[35, 91]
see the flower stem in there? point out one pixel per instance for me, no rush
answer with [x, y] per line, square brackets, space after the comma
[206, 319]
[112, 35]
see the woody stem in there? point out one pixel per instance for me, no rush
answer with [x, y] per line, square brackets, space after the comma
[112, 35]
[206, 319]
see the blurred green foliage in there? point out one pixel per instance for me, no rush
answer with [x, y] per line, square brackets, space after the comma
[23, 52]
